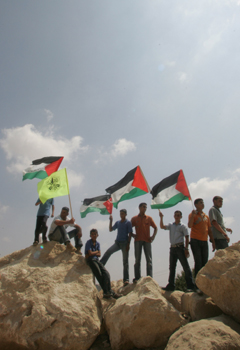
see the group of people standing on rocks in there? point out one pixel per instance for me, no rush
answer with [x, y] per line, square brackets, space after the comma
[200, 224]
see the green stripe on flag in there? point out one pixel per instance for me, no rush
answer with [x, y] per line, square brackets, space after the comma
[171, 202]
[135, 192]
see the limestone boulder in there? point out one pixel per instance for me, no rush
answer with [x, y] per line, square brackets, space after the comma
[175, 298]
[220, 279]
[199, 307]
[47, 300]
[210, 334]
[142, 319]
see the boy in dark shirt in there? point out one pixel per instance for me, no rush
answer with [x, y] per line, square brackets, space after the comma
[92, 254]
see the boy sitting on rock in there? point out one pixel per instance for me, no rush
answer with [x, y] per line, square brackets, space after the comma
[92, 254]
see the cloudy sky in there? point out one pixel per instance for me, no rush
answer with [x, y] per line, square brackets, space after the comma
[111, 85]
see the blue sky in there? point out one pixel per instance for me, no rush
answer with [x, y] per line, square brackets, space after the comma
[111, 85]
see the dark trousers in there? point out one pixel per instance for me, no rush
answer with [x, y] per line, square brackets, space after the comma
[178, 253]
[221, 243]
[101, 274]
[41, 227]
[200, 253]
[61, 235]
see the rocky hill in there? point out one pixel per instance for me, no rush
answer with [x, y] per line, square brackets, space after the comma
[48, 300]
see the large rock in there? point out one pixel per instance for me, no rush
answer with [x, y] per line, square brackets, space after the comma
[210, 334]
[220, 279]
[199, 307]
[142, 318]
[175, 298]
[47, 300]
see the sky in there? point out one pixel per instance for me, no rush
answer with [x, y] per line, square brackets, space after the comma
[111, 85]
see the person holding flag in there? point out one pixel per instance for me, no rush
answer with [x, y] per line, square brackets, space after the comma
[42, 216]
[122, 242]
[59, 233]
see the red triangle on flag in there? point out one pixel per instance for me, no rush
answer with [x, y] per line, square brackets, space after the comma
[108, 204]
[52, 167]
[139, 181]
[181, 185]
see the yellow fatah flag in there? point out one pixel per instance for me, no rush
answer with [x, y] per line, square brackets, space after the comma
[55, 185]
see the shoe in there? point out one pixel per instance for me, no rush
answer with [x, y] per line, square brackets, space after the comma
[168, 288]
[135, 280]
[78, 251]
[125, 283]
[107, 296]
[45, 240]
[35, 243]
[70, 247]
[198, 291]
[189, 290]
[116, 296]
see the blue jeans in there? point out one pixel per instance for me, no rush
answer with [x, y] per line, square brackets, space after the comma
[178, 253]
[200, 253]
[138, 254]
[61, 235]
[115, 248]
[221, 243]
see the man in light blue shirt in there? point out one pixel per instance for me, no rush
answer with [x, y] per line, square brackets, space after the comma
[177, 233]
[42, 216]
[122, 242]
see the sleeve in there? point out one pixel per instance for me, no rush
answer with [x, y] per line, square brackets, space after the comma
[129, 226]
[212, 215]
[167, 227]
[98, 247]
[115, 226]
[87, 247]
[185, 230]
[52, 201]
[152, 223]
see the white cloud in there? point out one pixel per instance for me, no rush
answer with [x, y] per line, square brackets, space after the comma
[26, 143]
[183, 77]
[3, 210]
[122, 147]
[206, 188]
[74, 179]
[101, 225]
[49, 114]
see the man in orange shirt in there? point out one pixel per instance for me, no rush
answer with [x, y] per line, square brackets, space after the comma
[200, 230]
[142, 224]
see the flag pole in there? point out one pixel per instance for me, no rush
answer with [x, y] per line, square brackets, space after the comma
[70, 204]
[188, 191]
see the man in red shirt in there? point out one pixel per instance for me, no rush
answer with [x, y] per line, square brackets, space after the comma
[142, 224]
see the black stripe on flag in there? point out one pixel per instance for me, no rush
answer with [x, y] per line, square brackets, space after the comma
[165, 183]
[103, 198]
[47, 160]
[123, 182]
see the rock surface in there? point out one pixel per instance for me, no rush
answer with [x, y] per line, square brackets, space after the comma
[220, 279]
[175, 298]
[199, 307]
[47, 300]
[210, 334]
[142, 319]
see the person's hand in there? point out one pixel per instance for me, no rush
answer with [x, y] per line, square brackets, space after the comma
[161, 214]
[152, 238]
[213, 246]
[187, 253]
[110, 218]
[52, 215]
[133, 235]
[228, 239]
[71, 221]
[229, 230]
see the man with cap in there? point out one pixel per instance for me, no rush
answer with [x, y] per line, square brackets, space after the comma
[122, 242]
[59, 233]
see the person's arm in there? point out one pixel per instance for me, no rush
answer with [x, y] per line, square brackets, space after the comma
[91, 253]
[79, 230]
[129, 236]
[53, 209]
[191, 218]
[133, 234]
[218, 227]
[110, 223]
[186, 246]
[154, 234]
[64, 222]
[162, 226]
[210, 234]
[38, 202]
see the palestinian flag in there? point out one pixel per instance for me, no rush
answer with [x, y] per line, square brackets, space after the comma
[133, 184]
[42, 168]
[102, 204]
[170, 191]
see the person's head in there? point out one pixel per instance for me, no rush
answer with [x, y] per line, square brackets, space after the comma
[217, 201]
[142, 208]
[177, 216]
[199, 204]
[94, 234]
[123, 214]
[64, 213]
